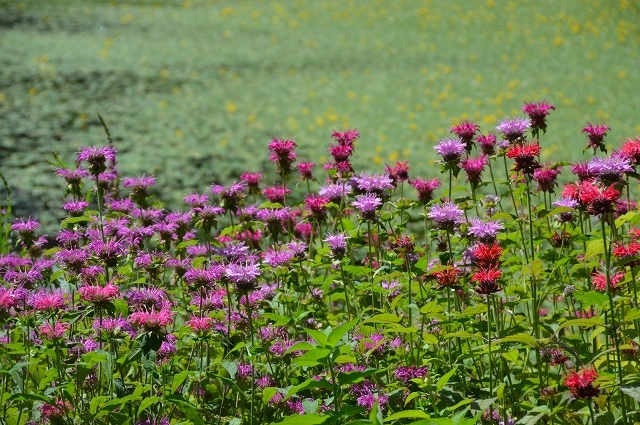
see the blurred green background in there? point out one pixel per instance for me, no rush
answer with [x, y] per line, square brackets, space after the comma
[193, 91]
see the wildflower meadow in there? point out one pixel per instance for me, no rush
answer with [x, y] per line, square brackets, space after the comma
[482, 293]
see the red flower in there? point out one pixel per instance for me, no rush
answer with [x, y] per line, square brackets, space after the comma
[581, 383]
[525, 157]
[487, 257]
[595, 197]
[630, 150]
[487, 280]
[448, 278]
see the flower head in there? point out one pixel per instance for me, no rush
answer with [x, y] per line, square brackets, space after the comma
[546, 178]
[450, 149]
[97, 158]
[487, 143]
[372, 183]
[244, 276]
[515, 128]
[425, 189]
[525, 155]
[367, 204]
[283, 154]
[335, 191]
[446, 216]
[474, 168]
[630, 150]
[465, 130]
[538, 112]
[484, 231]
[596, 134]
[337, 243]
[305, 169]
[581, 383]
[610, 169]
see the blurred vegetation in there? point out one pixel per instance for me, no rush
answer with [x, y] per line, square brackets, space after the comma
[192, 91]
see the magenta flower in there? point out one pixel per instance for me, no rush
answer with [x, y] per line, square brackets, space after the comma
[53, 332]
[317, 204]
[474, 168]
[97, 158]
[425, 189]
[630, 150]
[75, 208]
[566, 217]
[252, 180]
[487, 143]
[48, 301]
[465, 130]
[450, 149]
[347, 137]
[278, 256]
[231, 197]
[546, 177]
[283, 155]
[367, 204]
[513, 129]
[99, 295]
[200, 325]
[538, 112]
[72, 177]
[398, 173]
[276, 194]
[139, 186]
[199, 278]
[305, 169]
[596, 134]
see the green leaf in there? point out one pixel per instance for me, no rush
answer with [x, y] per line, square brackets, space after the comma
[146, 402]
[632, 315]
[375, 416]
[187, 408]
[432, 309]
[535, 268]
[268, 393]
[319, 337]
[442, 381]
[179, 379]
[350, 377]
[594, 247]
[625, 218]
[594, 321]
[340, 331]
[591, 298]
[383, 318]
[521, 338]
[231, 367]
[310, 406]
[303, 420]
[313, 357]
[404, 414]
[309, 383]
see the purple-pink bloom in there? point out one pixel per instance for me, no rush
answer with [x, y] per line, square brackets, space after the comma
[450, 149]
[487, 143]
[474, 168]
[596, 134]
[465, 130]
[514, 128]
[425, 189]
[546, 177]
[337, 243]
[609, 170]
[244, 276]
[538, 112]
[372, 183]
[97, 158]
[446, 216]
[367, 204]
[75, 208]
[484, 231]
[335, 191]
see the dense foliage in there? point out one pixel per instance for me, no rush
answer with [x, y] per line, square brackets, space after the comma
[383, 297]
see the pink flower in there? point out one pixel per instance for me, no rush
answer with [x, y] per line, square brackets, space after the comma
[152, 320]
[96, 294]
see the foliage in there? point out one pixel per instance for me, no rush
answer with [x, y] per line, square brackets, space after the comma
[363, 303]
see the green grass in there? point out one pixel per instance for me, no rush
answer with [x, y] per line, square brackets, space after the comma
[194, 90]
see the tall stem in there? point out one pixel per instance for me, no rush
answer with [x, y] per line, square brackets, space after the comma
[614, 327]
